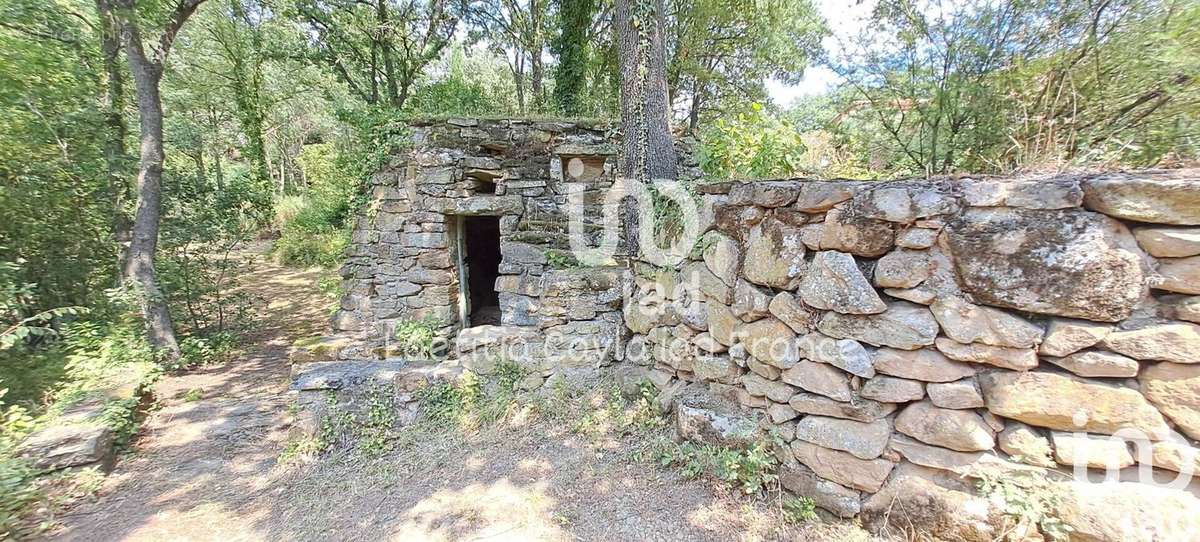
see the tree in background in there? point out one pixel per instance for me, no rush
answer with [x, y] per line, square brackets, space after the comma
[720, 53]
[518, 30]
[985, 86]
[572, 48]
[146, 65]
[379, 48]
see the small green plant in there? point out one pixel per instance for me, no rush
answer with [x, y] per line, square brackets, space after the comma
[416, 337]
[193, 395]
[799, 509]
[1028, 498]
[752, 469]
[559, 259]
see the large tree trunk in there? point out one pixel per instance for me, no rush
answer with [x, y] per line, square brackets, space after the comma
[570, 81]
[648, 152]
[115, 159]
[140, 266]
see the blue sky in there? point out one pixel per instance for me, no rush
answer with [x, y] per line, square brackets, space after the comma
[845, 19]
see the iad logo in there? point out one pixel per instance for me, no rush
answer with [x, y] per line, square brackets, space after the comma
[1102, 452]
[632, 191]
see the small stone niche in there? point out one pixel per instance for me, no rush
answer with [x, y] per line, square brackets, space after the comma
[582, 168]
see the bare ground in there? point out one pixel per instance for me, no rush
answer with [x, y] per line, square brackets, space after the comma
[209, 469]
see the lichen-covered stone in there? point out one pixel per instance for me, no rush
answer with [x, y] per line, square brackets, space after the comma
[792, 312]
[916, 238]
[889, 389]
[1153, 198]
[722, 323]
[818, 378]
[926, 364]
[1164, 242]
[903, 325]
[902, 269]
[1177, 342]
[834, 282]
[1017, 359]
[1066, 263]
[1066, 336]
[1069, 403]
[1175, 389]
[723, 256]
[843, 468]
[862, 440]
[961, 430]
[774, 255]
[848, 355]
[1097, 364]
[854, 408]
[771, 389]
[840, 500]
[771, 341]
[848, 231]
[749, 301]
[969, 323]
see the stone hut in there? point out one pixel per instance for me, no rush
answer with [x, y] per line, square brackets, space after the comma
[468, 232]
[899, 340]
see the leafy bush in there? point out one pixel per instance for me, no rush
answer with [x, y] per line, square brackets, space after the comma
[752, 469]
[416, 337]
[753, 145]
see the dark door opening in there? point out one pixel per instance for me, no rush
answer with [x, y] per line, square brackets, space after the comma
[481, 262]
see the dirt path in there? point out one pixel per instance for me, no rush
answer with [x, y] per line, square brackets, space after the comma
[208, 469]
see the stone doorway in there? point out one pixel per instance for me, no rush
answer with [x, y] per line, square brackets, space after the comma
[479, 265]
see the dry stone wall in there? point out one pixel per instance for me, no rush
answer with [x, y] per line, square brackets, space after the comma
[892, 331]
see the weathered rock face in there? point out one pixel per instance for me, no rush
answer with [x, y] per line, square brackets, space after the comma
[1069, 403]
[1177, 342]
[1169, 242]
[843, 468]
[1065, 337]
[1175, 390]
[63, 446]
[944, 331]
[853, 408]
[834, 282]
[723, 257]
[818, 378]
[838, 499]
[889, 389]
[1017, 359]
[845, 354]
[774, 255]
[788, 310]
[862, 440]
[926, 365]
[1128, 512]
[771, 341]
[712, 421]
[852, 232]
[969, 323]
[1153, 198]
[903, 325]
[960, 430]
[1066, 263]
[1020, 440]
[960, 394]
[1181, 275]
[1098, 364]
[912, 504]
[1078, 449]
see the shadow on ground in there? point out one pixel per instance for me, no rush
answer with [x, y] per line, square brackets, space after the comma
[208, 469]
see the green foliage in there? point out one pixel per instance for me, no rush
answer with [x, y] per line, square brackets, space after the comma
[572, 47]
[753, 145]
[980, 86]
[752, 469]
[1026, 497]
[417, 337]
[799, 509]
[561, 259]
